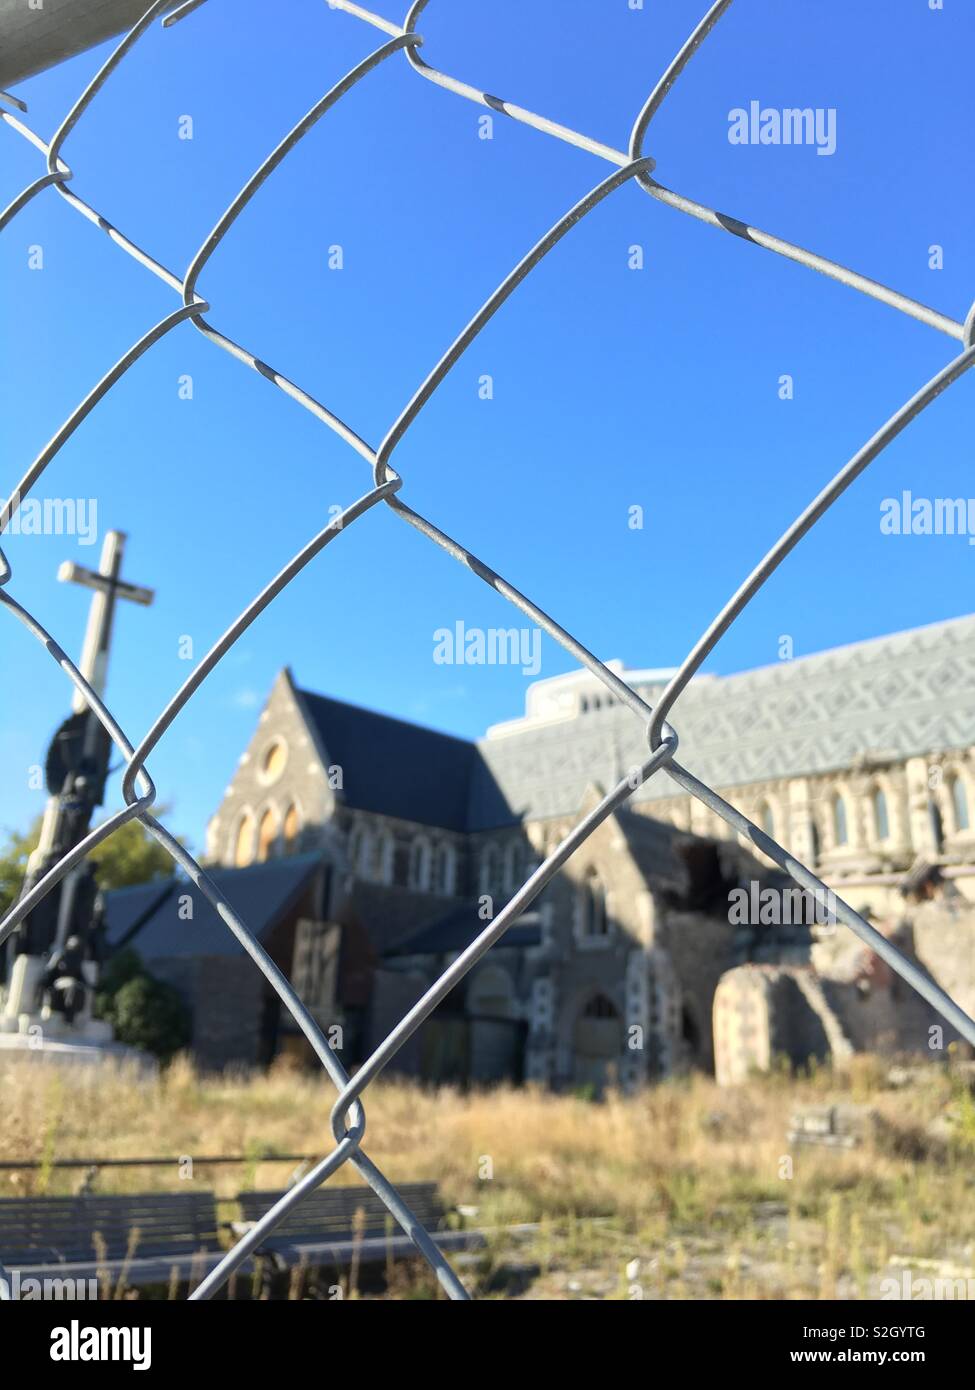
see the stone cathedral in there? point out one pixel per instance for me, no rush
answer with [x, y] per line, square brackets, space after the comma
[629, 966]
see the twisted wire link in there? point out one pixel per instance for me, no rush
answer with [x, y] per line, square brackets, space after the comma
[347, 1119]
[723, 221]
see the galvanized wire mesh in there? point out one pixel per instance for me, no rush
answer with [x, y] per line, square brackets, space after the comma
[348, 1115]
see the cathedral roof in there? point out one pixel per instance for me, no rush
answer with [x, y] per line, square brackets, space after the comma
[152, 917]
[392, 767]
[912, 693]
[455, 931]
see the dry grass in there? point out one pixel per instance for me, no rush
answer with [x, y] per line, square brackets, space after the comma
[689, 1180]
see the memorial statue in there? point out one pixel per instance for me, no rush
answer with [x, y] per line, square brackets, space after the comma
[53, 955]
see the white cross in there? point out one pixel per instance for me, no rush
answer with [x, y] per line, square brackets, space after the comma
[93, 665]
[108, 587]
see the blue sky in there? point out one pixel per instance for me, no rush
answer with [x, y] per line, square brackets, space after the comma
[612, 387]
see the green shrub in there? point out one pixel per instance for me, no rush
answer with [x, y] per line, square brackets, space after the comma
[118, 970]
[144, 1012]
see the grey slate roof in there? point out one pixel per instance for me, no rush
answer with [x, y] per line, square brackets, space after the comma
[393, 767]
[260, 893]
[906, 694]
[910, 693]
[125, 908]
[458, 929]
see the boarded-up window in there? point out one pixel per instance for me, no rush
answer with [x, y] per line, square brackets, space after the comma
[597, 1042]
[490, 993]
[314, 971]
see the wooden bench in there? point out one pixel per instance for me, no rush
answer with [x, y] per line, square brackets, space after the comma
[326, 1227]
[146, 1236]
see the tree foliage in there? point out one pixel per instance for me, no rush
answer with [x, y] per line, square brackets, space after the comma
[13, 864]
[130, 855]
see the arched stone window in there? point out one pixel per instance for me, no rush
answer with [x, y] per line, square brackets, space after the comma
[814, 841]
[593, 921]
[385, 856]
[267, 834]
[360, 851]
[273, 760]
[244, 841]
[841, 833]
[937, 825]
[881, 820]
[420, 857]
[512, 865]
[489, 878]
[959, 802]
[292, 827]
[766, 819]
[444, 873]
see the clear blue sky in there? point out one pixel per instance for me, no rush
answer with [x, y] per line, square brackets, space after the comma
[612, 387]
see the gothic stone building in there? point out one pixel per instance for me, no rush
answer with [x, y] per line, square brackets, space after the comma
[860, 760]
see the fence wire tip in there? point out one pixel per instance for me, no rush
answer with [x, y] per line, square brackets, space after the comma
[186, 8]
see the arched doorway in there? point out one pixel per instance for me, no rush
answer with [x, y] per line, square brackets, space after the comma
[597, 1044]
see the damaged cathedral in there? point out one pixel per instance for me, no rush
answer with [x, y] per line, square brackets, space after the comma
[367, 852]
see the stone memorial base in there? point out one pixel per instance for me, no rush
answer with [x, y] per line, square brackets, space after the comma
[67, 1051]
[48, 1036]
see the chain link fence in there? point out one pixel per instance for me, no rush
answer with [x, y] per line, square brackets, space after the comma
[348, 1121]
